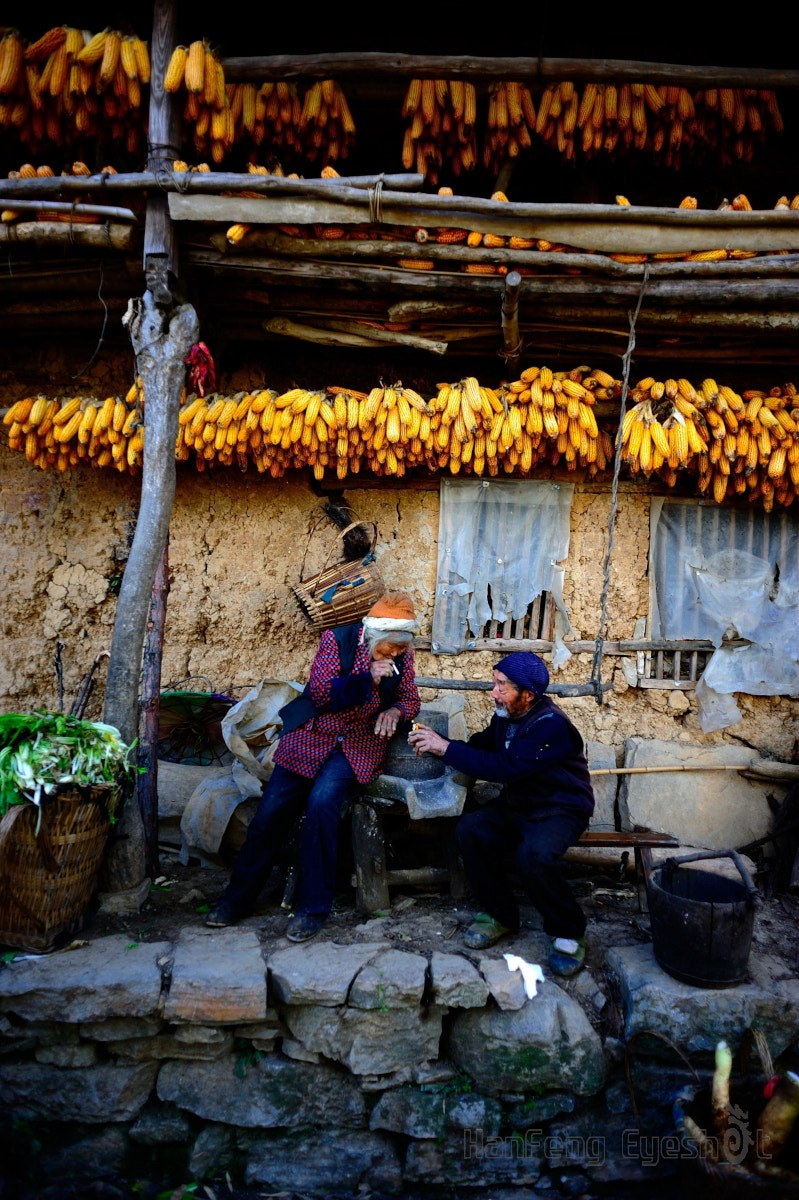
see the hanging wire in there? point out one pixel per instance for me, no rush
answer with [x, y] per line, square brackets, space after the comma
[596, 665]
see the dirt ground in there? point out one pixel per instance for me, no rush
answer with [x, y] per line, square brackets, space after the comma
[424, 921]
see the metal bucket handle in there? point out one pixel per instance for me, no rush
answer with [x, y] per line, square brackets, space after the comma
[752, 894]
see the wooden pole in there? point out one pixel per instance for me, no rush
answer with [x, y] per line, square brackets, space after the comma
[260, 68]
[150, 706]
[511, 340]
[163, 147]
[679, 767]
[162, 333]
[165, 179]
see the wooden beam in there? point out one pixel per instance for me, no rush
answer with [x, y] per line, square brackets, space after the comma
[350, 333]
[163, 137]
[258, 69]
[265, 239]
[63, 233]
[687, 294]
[165, 179]
[604, 227]
[75, 209]
[511, 341]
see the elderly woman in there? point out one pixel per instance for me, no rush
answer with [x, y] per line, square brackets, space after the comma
[334, 738]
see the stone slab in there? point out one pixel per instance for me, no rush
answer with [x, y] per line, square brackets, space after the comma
[473, 1160]
[712, 809]
[217, 977]
[106, 1093]
[695, 1019]
[341, 1162]
[393, 979]
[507, 987]
[605, 786]
[111, 977]
[263, 1092]
[320, 973]
[548, 1043]
[456, 982]
[369, 1042]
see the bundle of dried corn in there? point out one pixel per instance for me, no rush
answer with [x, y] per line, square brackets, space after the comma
[69, 85]
[441, 117]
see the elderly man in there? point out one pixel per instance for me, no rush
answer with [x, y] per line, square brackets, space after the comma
[334, 738]
[536, 753]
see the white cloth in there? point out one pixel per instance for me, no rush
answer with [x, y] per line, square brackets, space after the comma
[531, 973]
[389, 625]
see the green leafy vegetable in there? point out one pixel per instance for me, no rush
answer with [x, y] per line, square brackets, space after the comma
[42, 751]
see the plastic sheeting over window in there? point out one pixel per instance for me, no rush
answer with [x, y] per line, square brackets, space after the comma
[728, 575]
[499, 546]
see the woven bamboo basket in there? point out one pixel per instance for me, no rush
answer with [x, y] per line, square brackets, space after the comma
[47, 875]
[343, 593]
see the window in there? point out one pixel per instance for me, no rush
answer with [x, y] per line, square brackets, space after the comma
[499, 549]
[729, 576]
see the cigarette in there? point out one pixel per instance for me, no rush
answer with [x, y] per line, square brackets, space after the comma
[394, 667]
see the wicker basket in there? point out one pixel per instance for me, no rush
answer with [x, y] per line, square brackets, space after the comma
[343, 593]
[47, 876]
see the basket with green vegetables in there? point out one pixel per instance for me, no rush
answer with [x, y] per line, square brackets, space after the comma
[42, 752]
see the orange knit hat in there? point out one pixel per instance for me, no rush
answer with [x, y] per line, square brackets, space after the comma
[394, 604]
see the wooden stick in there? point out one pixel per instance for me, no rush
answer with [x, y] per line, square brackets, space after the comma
[678, 767]
[65, 233]
[165, 179]
[273, 242]
[64, 206]
[259, 68]
[511, 339]
[349, 333]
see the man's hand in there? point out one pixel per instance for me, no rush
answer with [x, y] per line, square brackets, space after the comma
[427, 741]
[387, 722]
[381, 668]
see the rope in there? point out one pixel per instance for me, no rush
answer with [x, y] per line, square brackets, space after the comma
[596, 664]
[375, 202]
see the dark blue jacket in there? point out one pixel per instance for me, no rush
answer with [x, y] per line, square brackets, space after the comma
[542, 768]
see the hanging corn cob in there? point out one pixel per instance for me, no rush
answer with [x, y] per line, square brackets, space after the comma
[326, 123]
[441, 117]
[68, 85]
[734, 444]
[511, 117]
[197, 71]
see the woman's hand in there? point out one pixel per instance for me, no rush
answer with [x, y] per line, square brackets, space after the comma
[387, 722]
[381, 668]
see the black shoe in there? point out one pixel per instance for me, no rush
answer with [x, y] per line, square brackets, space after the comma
[223, 915]
[304, 926]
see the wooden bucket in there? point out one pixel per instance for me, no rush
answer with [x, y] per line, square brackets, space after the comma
[47, 874]
[343, 593]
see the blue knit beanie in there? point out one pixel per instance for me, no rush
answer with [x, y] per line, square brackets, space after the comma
[526, 670]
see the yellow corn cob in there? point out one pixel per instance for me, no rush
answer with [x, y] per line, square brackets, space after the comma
[696, 443]
[175, 72]
[66, 431]
[67, 411]
[110, 59]
[92, 52]
[416, 264]
[195, 68]
[86, 426]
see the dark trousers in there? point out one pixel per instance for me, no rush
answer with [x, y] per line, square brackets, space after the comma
[537, 840]
[285, 798]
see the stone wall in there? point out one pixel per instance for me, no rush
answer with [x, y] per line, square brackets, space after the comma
[344, 1067]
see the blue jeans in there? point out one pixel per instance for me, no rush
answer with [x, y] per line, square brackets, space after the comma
[285, 798]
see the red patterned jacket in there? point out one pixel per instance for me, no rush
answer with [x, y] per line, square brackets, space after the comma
[351, 704]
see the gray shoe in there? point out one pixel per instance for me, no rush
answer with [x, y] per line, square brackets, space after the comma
[304, 926]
